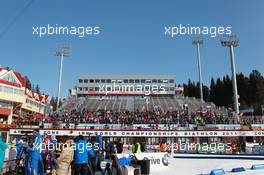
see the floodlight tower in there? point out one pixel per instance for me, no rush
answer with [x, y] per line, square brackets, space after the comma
[232, 41]
[62, 51]
[198, 41]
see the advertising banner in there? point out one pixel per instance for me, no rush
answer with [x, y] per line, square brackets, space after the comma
[142, 133]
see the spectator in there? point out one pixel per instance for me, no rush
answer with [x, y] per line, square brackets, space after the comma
[81, 156]
[65, 159]
[119, 146]
[3, 147]
[35, 152]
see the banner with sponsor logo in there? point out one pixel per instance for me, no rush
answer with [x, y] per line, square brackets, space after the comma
[139, 133]
[158, 161]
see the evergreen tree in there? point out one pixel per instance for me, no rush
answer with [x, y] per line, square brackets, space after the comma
[37, 89]
[257, 89]
[27, 83]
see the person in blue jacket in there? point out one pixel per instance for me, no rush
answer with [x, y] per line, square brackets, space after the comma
[42, 156]
[3, 147]
[27, 160]
[99, 152]
[19, 148]
[92, 152]
[99, 139]
[80, 156]
[35, 152]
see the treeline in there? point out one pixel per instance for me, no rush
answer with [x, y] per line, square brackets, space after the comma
[29, 85]
[53, 103]
[250, 90]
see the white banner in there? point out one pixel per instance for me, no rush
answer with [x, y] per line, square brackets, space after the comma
[158, 161]
[113, 133]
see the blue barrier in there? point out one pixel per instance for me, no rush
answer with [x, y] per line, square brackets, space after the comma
[239, 169]
[218, 172]
[257, 166]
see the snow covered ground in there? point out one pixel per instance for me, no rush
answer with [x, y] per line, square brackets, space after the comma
[190, 166]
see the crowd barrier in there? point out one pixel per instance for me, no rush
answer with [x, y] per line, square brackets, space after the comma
[9, 161]
[146, 126]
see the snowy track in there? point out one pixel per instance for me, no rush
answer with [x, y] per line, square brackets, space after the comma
[196, 166]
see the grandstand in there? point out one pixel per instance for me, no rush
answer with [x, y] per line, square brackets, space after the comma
[137, 103]
[87, 95]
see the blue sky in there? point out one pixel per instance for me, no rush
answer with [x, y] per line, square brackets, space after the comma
[131, 39]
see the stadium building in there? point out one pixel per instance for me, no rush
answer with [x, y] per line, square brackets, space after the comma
[16, 100]
[125, 85]
[130, 93]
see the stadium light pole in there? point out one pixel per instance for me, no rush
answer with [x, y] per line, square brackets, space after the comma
[63, 51]
[231, 41]
[198, 42]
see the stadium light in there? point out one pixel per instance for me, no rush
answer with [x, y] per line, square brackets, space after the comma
[62, 51]
[232, 41]
[198, 41]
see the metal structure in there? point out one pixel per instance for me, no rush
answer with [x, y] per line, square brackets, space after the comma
[198, 42]
[62, 51]
[232, 41]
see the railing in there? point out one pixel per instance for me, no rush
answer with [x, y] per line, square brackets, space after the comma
[148, 126]
[9, 166]
[10, 161]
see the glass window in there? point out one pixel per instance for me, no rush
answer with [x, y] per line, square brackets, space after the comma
[171, 81]
[159, 81]
[143, 81]
[108, 81]
[148, 81]
[154, 81]
[80, 80]
[165, 81]
[102, 81]
[97, 81]
[137, 81]
[91, 81]
[5, 104]
[131, 81]
[125, 81]
[85, 81]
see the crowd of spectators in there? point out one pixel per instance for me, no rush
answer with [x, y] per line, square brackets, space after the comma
[181, 118]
